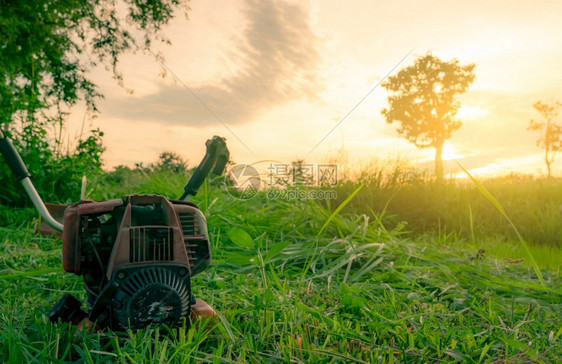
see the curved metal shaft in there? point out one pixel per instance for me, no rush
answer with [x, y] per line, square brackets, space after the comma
[20, 172]
[39, 205]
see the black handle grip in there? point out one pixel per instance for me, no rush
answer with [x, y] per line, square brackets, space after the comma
[214, 161]
[13, 159]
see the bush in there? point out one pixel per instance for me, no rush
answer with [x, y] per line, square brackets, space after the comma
[56, 174]
[171, 162]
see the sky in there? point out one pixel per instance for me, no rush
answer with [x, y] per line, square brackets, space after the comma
[288, 80]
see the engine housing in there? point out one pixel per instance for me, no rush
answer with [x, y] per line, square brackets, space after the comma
[137, 255]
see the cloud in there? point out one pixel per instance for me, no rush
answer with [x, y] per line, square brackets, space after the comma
[277, 61]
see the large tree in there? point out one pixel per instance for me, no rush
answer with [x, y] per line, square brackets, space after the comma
[550, 132]
[422, 100]
[48, 47]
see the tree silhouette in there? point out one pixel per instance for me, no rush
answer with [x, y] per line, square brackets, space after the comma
[550, 133]
[422, 100]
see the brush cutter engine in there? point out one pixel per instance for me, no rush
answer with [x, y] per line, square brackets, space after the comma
[136, 254]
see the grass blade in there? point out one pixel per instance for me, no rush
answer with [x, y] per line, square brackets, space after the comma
[338, 209]
[30, 273]
[499, 207]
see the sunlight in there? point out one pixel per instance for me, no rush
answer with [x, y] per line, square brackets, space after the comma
[449, 153]
[527, 164]
[471, 112]
[490, 170]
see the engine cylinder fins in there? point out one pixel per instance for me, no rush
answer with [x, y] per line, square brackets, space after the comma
[151, 295]
[189, 224]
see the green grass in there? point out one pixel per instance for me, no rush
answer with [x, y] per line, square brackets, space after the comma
[534, 205]
[314, 283]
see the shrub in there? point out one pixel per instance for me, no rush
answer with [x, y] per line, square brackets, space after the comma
[56, 174]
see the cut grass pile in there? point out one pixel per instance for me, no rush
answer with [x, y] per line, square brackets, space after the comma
[296, 281]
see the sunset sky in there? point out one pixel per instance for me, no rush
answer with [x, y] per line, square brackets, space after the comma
[280, 75]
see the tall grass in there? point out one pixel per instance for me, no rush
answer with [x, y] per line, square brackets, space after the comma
[314, 283]
[534, 205]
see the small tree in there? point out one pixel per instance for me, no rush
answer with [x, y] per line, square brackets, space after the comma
[172, 162]
[422, 100]
[550, 133]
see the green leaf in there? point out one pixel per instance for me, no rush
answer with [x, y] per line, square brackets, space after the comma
[238, 259]
[226, 327]
[483, 354]
[315, 313]
[276, 249]
[458, 356]
[240, 237]
[558, 333]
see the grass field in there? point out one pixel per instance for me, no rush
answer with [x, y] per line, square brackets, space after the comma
[316, 283]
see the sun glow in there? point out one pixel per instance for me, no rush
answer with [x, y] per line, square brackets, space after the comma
[449, 153]
[467, 112]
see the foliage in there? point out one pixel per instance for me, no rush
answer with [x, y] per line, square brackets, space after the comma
[166, 176]
[47, 48]
[422, 101]
[56, 174]
[171, 162]
[550, 138]
[360, 291]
